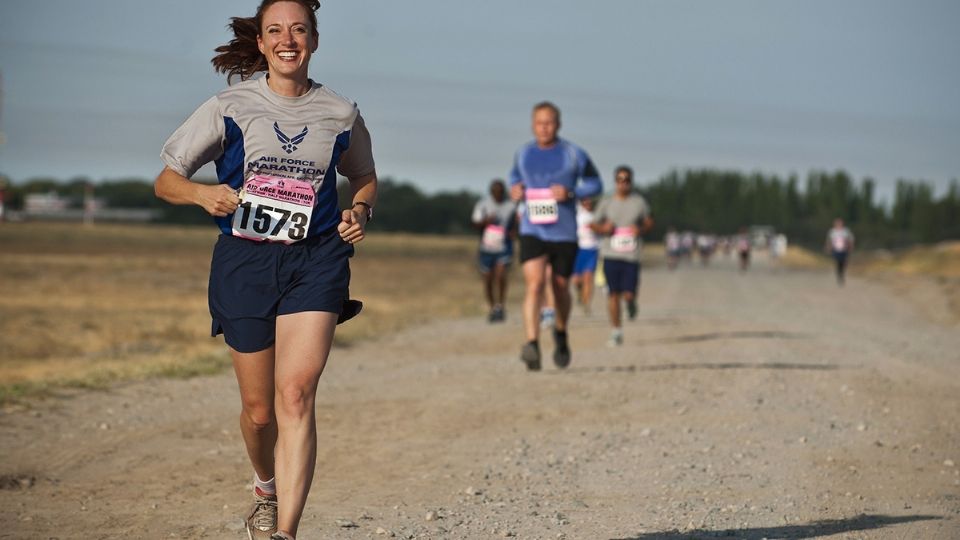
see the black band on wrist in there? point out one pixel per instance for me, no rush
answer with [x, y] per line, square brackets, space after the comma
[367, 206]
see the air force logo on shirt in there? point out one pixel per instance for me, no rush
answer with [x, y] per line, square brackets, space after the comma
[289, 144]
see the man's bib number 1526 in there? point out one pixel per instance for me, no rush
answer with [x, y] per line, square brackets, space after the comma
[274, 209]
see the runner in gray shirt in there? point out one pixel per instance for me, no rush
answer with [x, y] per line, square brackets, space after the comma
[621, 219]
[496, 218]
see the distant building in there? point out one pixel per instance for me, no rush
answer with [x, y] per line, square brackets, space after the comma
[52, 206]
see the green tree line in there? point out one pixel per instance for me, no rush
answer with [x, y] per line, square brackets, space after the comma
[707, 200]
[721, 202]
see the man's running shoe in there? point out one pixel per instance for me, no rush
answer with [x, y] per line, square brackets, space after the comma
[496, 314]
[547, 317]
[632, 309]
[530, 354]
[281, 536]
[561, 354]
[261, 520]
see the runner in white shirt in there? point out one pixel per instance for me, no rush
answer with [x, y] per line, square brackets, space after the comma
[588, 253]
[671, 245]
[839, 243]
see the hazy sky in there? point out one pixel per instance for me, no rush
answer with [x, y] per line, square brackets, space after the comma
[95, 87]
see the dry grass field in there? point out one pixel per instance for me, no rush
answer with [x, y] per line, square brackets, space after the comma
[919, 273]
[84, 306]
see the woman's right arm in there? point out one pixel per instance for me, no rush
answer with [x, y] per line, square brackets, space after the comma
[218, 200]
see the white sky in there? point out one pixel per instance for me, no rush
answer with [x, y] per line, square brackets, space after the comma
[93, 88]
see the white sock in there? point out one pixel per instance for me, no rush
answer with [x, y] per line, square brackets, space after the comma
[269, 487]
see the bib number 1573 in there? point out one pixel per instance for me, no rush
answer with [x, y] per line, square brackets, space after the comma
[274, 209]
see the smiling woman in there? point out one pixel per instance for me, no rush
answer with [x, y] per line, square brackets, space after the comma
[280, 274]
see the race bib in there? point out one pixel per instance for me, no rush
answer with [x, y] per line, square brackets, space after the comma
[494, 239]
[839, 243]
[623, 240]
[274, 209]
[542, 207]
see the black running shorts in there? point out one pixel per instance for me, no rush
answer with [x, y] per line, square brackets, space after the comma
[253, 282]
[560, 255]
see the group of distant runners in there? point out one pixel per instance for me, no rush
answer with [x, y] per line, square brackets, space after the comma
[565, 230]
[563, 233]
[280, 275]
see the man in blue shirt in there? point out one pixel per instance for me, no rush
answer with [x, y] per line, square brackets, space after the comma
[549, 175]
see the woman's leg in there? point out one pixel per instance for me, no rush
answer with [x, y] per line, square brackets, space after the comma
[258, 424]
[303, 344]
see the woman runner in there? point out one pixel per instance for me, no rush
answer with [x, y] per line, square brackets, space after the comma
[279, 275]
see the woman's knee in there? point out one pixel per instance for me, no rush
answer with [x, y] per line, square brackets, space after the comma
[259, 414]
[295, 400]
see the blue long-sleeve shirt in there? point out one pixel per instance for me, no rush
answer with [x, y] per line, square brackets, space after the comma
[563, 164]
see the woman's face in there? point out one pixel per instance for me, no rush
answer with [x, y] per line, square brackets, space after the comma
[286, 40]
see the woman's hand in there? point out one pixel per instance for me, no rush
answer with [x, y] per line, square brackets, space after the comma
[352, 225]
[219, 201]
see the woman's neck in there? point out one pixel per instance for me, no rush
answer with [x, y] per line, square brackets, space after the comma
[288, 87]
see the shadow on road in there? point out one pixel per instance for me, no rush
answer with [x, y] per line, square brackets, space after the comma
[760, 334]
[825, 527]
[632, 368]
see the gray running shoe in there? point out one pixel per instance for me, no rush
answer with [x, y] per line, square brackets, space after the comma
[281, 536]
[530, 354]
[616, 338]
[261, 520]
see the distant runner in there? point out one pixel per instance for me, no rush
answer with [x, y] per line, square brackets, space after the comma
[622, 218]
[588, 252]
[742, 242]
[495, 216]
[671, 244]
[839, 243]
[549, 174]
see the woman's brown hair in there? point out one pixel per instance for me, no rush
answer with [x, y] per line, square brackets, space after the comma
[242, 56]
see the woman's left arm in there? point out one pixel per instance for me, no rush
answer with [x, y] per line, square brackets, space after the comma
[354, 219]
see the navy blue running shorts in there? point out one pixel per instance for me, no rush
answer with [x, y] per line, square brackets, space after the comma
[622, 276]
[253, 282]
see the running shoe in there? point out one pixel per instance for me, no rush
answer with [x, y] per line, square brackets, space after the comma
[632, 309]
[261, 520]
[497, 314]
[530, 354]
[616, 338]
[561, 354]
[281, 536]
[547, 317]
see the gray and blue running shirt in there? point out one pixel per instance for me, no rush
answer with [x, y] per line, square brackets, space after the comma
[248, 129]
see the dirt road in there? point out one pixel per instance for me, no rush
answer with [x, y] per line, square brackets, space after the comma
[767, 405]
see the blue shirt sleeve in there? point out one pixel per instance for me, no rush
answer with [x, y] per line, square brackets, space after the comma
[590, 183]
[515, 177]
